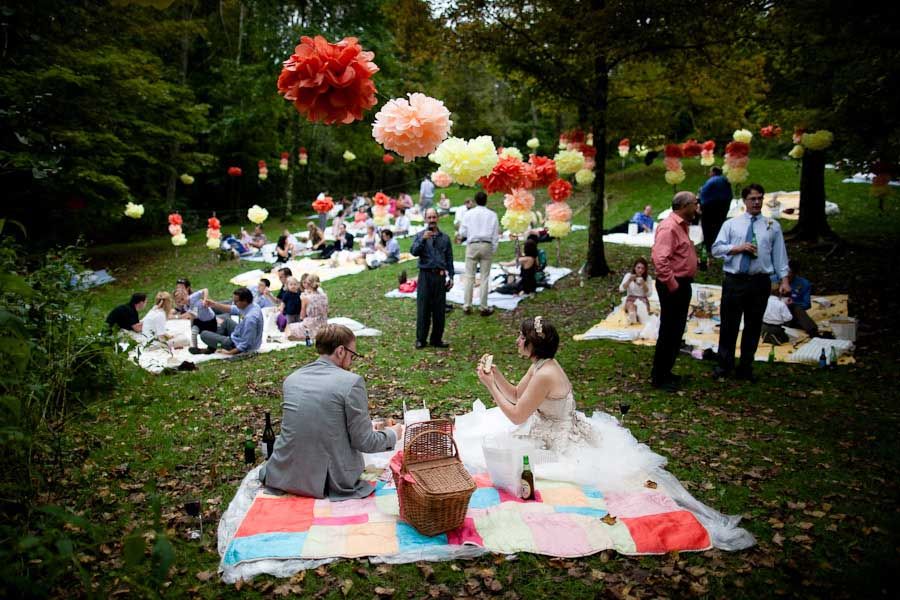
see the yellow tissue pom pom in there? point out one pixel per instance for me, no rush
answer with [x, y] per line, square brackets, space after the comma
[135, 211]
[348, 156]
[585, 177]
[533, 143]
[675, 177]
[742, 135]
[511, 151]
[797, 152]
[186, 179]
[559, 229]
[257, 215]
[466, 161]
[179, 240]
[517, 221]
[737, 175]
[212, 243]
[818, 140]
[569, 161]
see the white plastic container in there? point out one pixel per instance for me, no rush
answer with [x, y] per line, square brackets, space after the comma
[844, 328]
[632, 229]
[503, 457]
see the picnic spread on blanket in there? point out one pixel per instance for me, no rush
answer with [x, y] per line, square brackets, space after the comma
[829, 313]
[497, 277]
[340, 264]
[634, 509]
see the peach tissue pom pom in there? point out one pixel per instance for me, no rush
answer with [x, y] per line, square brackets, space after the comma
[412, 128]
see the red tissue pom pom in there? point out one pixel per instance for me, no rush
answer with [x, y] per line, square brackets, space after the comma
[508, 173]
[213, 223]
[175, 219]
[323, 205]
[559, 190]
[737, 149]
[381, 199]
[542, 171]
[673, 151]
[388, 159]
[691, 149]
[235, 172]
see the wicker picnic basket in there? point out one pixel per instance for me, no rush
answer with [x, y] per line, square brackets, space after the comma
[432, 485]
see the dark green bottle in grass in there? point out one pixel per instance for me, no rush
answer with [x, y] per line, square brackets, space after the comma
[526, 487]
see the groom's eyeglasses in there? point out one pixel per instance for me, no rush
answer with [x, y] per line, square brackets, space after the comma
[353, 353]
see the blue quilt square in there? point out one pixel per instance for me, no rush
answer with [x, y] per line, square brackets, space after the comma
[484, 498]
[582, 510]
[410, 539]
[265, 545]
[592, 492]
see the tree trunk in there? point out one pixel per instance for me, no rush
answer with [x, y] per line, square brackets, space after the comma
[171, 184]
[596, 255]
[812, 225]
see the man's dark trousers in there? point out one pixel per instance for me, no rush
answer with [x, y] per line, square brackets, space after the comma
[673, 317]
[742, 295]
[431, 299]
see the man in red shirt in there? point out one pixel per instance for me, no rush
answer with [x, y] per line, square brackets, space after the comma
[675, 261]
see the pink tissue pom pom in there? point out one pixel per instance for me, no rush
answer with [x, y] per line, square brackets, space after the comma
[413, 127]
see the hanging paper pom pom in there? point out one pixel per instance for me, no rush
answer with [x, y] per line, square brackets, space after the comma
[675, 177]
[323, 205]
[257, 215]
[517, 221]
[569, 161]
[518, 200]
[559, 211]
[737, 149]
[263, 170]
[585, 177]
[736, 174]
[135, 211]
[283, 164]
[329, 83]
[441, 179]
[388, 159]
[770, 131]
[174, 229]
[349, 156]
[707, 158]
[624, 147]
[641, 151]
[508, 173]
[302, 156]
[235, 172]
[466, 161]
[179, 240]
[742, 135]
[381, 199]
[673, 151]
[542, 171]
[533, 143]
[797, 152]
[818, 140]
[511, 151]
[175, 219]
[213, 223]
[672, 164]
[560, 190]
[559, 229]
[413, 127]
[213, 233]
[691, 149]
[186, 179]
[380, 215]
[212, 243]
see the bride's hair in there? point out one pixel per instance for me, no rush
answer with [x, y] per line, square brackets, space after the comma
[544, 343]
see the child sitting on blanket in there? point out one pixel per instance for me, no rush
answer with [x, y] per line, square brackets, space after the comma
[636, 285]
[291, 300]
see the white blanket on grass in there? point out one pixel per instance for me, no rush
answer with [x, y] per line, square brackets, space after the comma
[155, 356]
[502, 301]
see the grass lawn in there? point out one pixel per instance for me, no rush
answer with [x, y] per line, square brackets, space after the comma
[807, 457]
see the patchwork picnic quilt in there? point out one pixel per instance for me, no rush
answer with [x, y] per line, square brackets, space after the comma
[565, 520]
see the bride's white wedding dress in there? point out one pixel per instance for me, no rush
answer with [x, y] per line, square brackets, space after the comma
[563, 444]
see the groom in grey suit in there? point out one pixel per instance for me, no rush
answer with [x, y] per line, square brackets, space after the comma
[325, 426]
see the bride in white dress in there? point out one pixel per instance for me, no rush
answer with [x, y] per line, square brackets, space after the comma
[537, 417]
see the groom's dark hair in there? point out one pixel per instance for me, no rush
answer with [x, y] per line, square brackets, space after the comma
[543, 344]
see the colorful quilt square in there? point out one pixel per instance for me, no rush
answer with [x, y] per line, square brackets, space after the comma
[273, 514]
[325, 541]
[592, 492]
[661, 533]
[372, 539]
[388, 505]
[558, 534]
[586, 511]
[467, 533]
[504, 531]
[264, 545]
[639, 504]
[484, 498]
[355, 506]
[563, 496]
[410, 539]
[602, 537]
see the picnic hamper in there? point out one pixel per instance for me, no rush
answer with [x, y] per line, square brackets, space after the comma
[433, 487]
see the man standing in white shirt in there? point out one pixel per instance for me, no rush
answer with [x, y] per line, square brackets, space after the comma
[426, 194]
[481, 229]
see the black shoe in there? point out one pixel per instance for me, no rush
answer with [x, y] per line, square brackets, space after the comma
[467, 310]
[420, 345]
[193, 350]
[679, 379]
[745, 375]
[402, 277]
[666, 386]
[448, 307]
[441, 344]
[486, 312]
[720, 373]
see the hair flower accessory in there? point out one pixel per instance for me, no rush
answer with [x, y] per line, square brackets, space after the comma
[329, 83]
[539, 326]
[412, 128]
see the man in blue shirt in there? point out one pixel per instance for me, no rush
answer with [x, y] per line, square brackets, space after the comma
[435, 252]
[715, 200]
[643, 219]
[390, 245]
[235, 338]
[263, 297]
[754, 253]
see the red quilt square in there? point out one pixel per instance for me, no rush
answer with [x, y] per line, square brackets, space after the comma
[658, 534]
[268, 515]
[465, 533]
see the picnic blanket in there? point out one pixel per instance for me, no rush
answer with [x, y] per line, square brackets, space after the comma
[89, 279]
[866, 178]
[156, 357]
[341, 263]
[265, 531]
[645, 240]
[702, 330]
[502, 301]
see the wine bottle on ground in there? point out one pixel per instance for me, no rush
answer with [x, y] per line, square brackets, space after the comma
[527, 483]
[268, 437]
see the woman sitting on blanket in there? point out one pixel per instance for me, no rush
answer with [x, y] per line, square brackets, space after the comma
[528, 268]
[636, 285]
[313, 311]
[284, 249]
[369, 241]
[154, 322]
[316, 237]
[562, 442]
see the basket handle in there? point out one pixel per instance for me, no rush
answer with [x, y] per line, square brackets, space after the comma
[412, 444]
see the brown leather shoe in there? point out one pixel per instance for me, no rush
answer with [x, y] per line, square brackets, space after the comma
[486, 312]
[467, 310]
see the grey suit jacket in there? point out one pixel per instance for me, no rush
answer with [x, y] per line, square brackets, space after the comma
[325, 428]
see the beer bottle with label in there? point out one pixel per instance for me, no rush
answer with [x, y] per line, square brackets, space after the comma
[268, 436]
[526, 486]
[823, 360]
